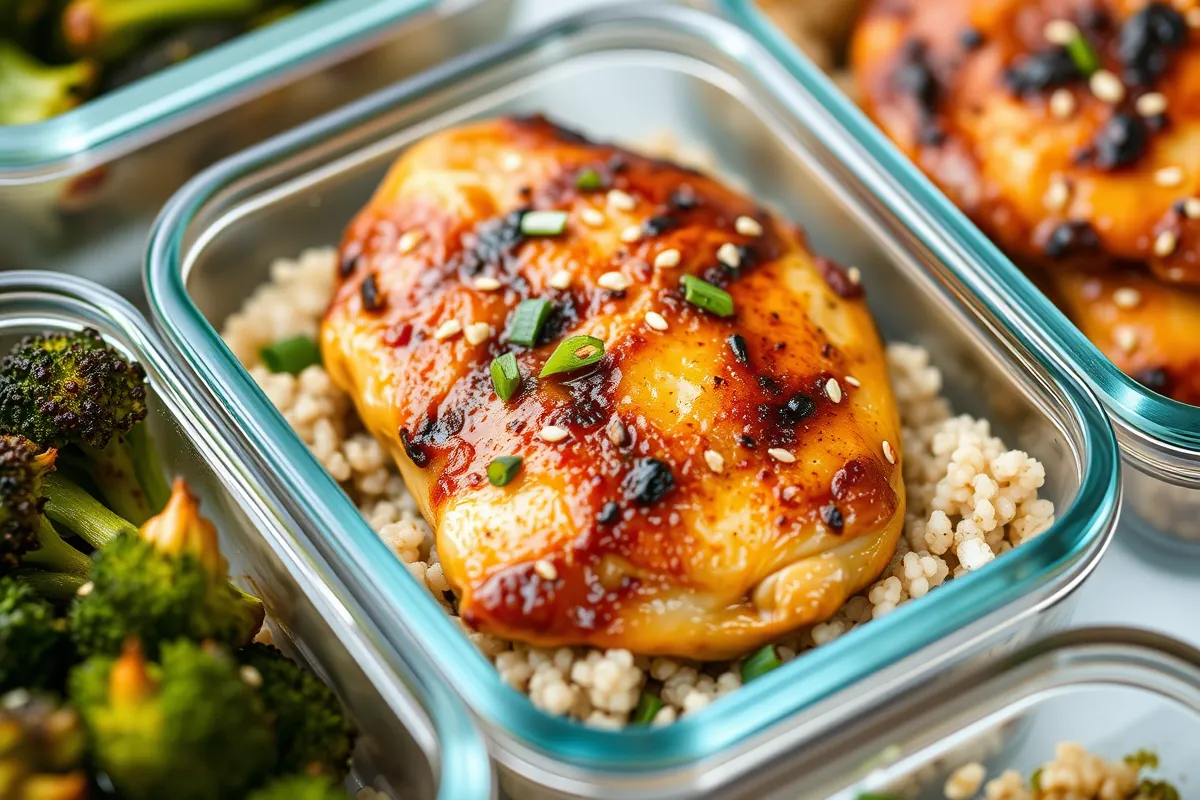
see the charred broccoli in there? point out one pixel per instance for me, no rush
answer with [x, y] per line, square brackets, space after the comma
[31, 91]
[299, 787]
[189, 728]
[111, 29]
[312, 733]
[35, 650]
[41, 750]
[171, 581]
[72, 388]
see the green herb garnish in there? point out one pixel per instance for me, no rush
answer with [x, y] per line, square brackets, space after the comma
[527, 321]
[760, 664]
[704, 295]
[503, 469]
[647, 709]
[543, 223]
[506, 376]
[1083, 54]
[589, 180]
[291, 355]
[572, 353]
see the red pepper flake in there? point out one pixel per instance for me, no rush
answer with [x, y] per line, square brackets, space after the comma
[838, 278]
[398, 336]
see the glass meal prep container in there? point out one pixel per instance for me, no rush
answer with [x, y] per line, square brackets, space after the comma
[1159, 437]
[630, 73]
[79, 191]
[1116, 691]
[414, 734]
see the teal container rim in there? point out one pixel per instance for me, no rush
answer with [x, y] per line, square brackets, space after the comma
[1144, 411]
[171, 98]
[463, 769]
[383, 579]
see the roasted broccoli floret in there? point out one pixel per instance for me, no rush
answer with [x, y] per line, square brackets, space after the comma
[169, 582]
[41, 750]
[31, 91]
[72, 388]
[26, 536]
[188, 728]
[312, 732]
[299, 787]
[35, 649]
[111, 29]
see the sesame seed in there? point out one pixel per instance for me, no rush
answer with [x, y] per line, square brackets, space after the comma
[1165, 244]
[486, 284]
[1169, 176]
[409, 241]
[1058, 194]
[1126, 338]
[1127, 297]
[1062, 103]
[592, 217]
[622, 201]
[250, 676]
[560, 279]
[1151, 104]
[511, 162]
[85, 589]
[477, 332]
[1060, 31]
[779, 454]
[728, 255]
[553, 433]
[1193, 18]
[855, 275]
[450, 327]
[545, 570]
[833, 390]
[715, 461]
[618, 434]
[668, 258]
[631, 234]
[888, 452]
[852, 381]
[1107, 86]
[656, 321]
[1191, 208]
[1175, 274]
[748, 226]
[613, 281]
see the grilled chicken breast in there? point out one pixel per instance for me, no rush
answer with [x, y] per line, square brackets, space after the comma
[709, 484]
[986, 97]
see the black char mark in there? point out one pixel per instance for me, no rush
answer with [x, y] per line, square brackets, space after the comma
[833, 517]
[916, 78]
[649, 481]
[369, 289]
[496, 240]
[1121, 142]
[414, 451]
[1147, 42]
[1039, 72]
[1070, 238]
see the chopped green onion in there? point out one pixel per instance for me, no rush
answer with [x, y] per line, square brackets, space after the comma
[572, 353]
[528, 320]
[503, 469]
[647, 709]
[703, 294]
[291, 355]
[543, 223]
[760, 664]
[506, 376]
[589, 180]
[1083, 54]
[1035, 780]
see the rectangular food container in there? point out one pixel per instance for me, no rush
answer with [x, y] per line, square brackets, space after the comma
[630, 73]
[1116, 691]
[1159, 438]
[79, 192]
[415, 735]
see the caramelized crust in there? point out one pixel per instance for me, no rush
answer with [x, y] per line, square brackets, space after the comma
[627, 533]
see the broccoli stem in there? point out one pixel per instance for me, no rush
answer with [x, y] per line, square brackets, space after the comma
[71, 506]
[112, 29]
[113, 469]
[56, 555]
[148, 467]
[31, 91]
[60, 587]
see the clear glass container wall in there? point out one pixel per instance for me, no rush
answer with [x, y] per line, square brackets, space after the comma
[79, 192]
[630, 75]
[415, 734]
[1159, 438]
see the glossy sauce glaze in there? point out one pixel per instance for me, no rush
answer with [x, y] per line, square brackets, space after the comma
[698, 491]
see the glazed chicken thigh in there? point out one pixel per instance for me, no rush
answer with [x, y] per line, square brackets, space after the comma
[729, 468]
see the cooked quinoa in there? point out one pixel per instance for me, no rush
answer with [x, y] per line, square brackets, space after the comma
[1073, 774]
[970, 499]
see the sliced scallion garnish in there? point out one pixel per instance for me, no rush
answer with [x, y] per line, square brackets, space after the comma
[506, 376]
[589, 180]
[760, 664]
[503, 469]
[543, 223]
[703, 294]
[1083, 55]
[528, 320]
[572, 353]
[647, 709]
[291, 355]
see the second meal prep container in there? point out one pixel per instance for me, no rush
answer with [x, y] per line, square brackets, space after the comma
[630, 74]
[415, 734]
[79, 191]
[1159, 437]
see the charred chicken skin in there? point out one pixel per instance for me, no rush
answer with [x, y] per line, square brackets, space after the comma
[1068, 130]
[726, 471]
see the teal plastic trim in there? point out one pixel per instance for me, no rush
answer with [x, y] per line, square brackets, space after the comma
[405, 607]
[1147, 412]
